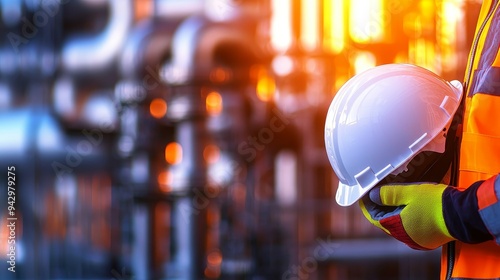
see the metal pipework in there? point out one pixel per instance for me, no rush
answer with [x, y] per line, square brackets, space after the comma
[39, 149]
[196, 54]
[195, 44]
[139, 62]
[147, 47]
[91, 54]
[198, 49]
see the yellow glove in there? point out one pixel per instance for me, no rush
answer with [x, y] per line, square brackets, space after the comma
[412, 214]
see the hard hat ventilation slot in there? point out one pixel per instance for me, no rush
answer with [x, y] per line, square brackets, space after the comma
[448, 106]
[419, 144]
[366, 177]
[384, 172]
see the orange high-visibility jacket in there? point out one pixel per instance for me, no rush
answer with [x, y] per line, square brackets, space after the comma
[480, 149]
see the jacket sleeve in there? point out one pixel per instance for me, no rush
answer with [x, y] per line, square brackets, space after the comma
[473, 215]
[488, 198]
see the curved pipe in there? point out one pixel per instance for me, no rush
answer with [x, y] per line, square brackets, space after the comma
[148, 44]
[195, 43]
[94, 53]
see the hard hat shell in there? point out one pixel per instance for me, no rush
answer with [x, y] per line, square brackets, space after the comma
[380, 119]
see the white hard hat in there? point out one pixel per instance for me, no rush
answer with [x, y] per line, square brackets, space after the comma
[380, 119]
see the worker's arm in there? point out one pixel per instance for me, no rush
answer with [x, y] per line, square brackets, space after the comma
[427, 215]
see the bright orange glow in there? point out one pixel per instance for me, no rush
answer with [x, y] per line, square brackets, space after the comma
[401, 57]
[339, 82]
[451, 16]
[211, 154]
[266, 86]
[360, 34]
[427, 9]
[281, 25]
[422, 52]
[143, 9]
[173, 153]
[158, 108]
[310, 24]
[412, 25]
[364, 61]
[367, 21]
[214, 103]
[164, 181]
[334, 25]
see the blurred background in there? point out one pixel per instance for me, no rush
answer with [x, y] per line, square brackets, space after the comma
[183, 139]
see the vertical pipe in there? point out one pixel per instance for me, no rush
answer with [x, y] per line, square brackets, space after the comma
[141, 255]
[189, 211]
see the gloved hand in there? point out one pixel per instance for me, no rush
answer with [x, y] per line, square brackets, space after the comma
[425, 215]
[412, 214]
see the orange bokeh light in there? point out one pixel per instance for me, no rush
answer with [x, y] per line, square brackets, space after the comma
[158, 108]
[214, 103]
[266, 86]
[173, 153]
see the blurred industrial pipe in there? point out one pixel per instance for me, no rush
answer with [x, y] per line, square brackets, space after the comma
[195, 44]
[85, 53]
